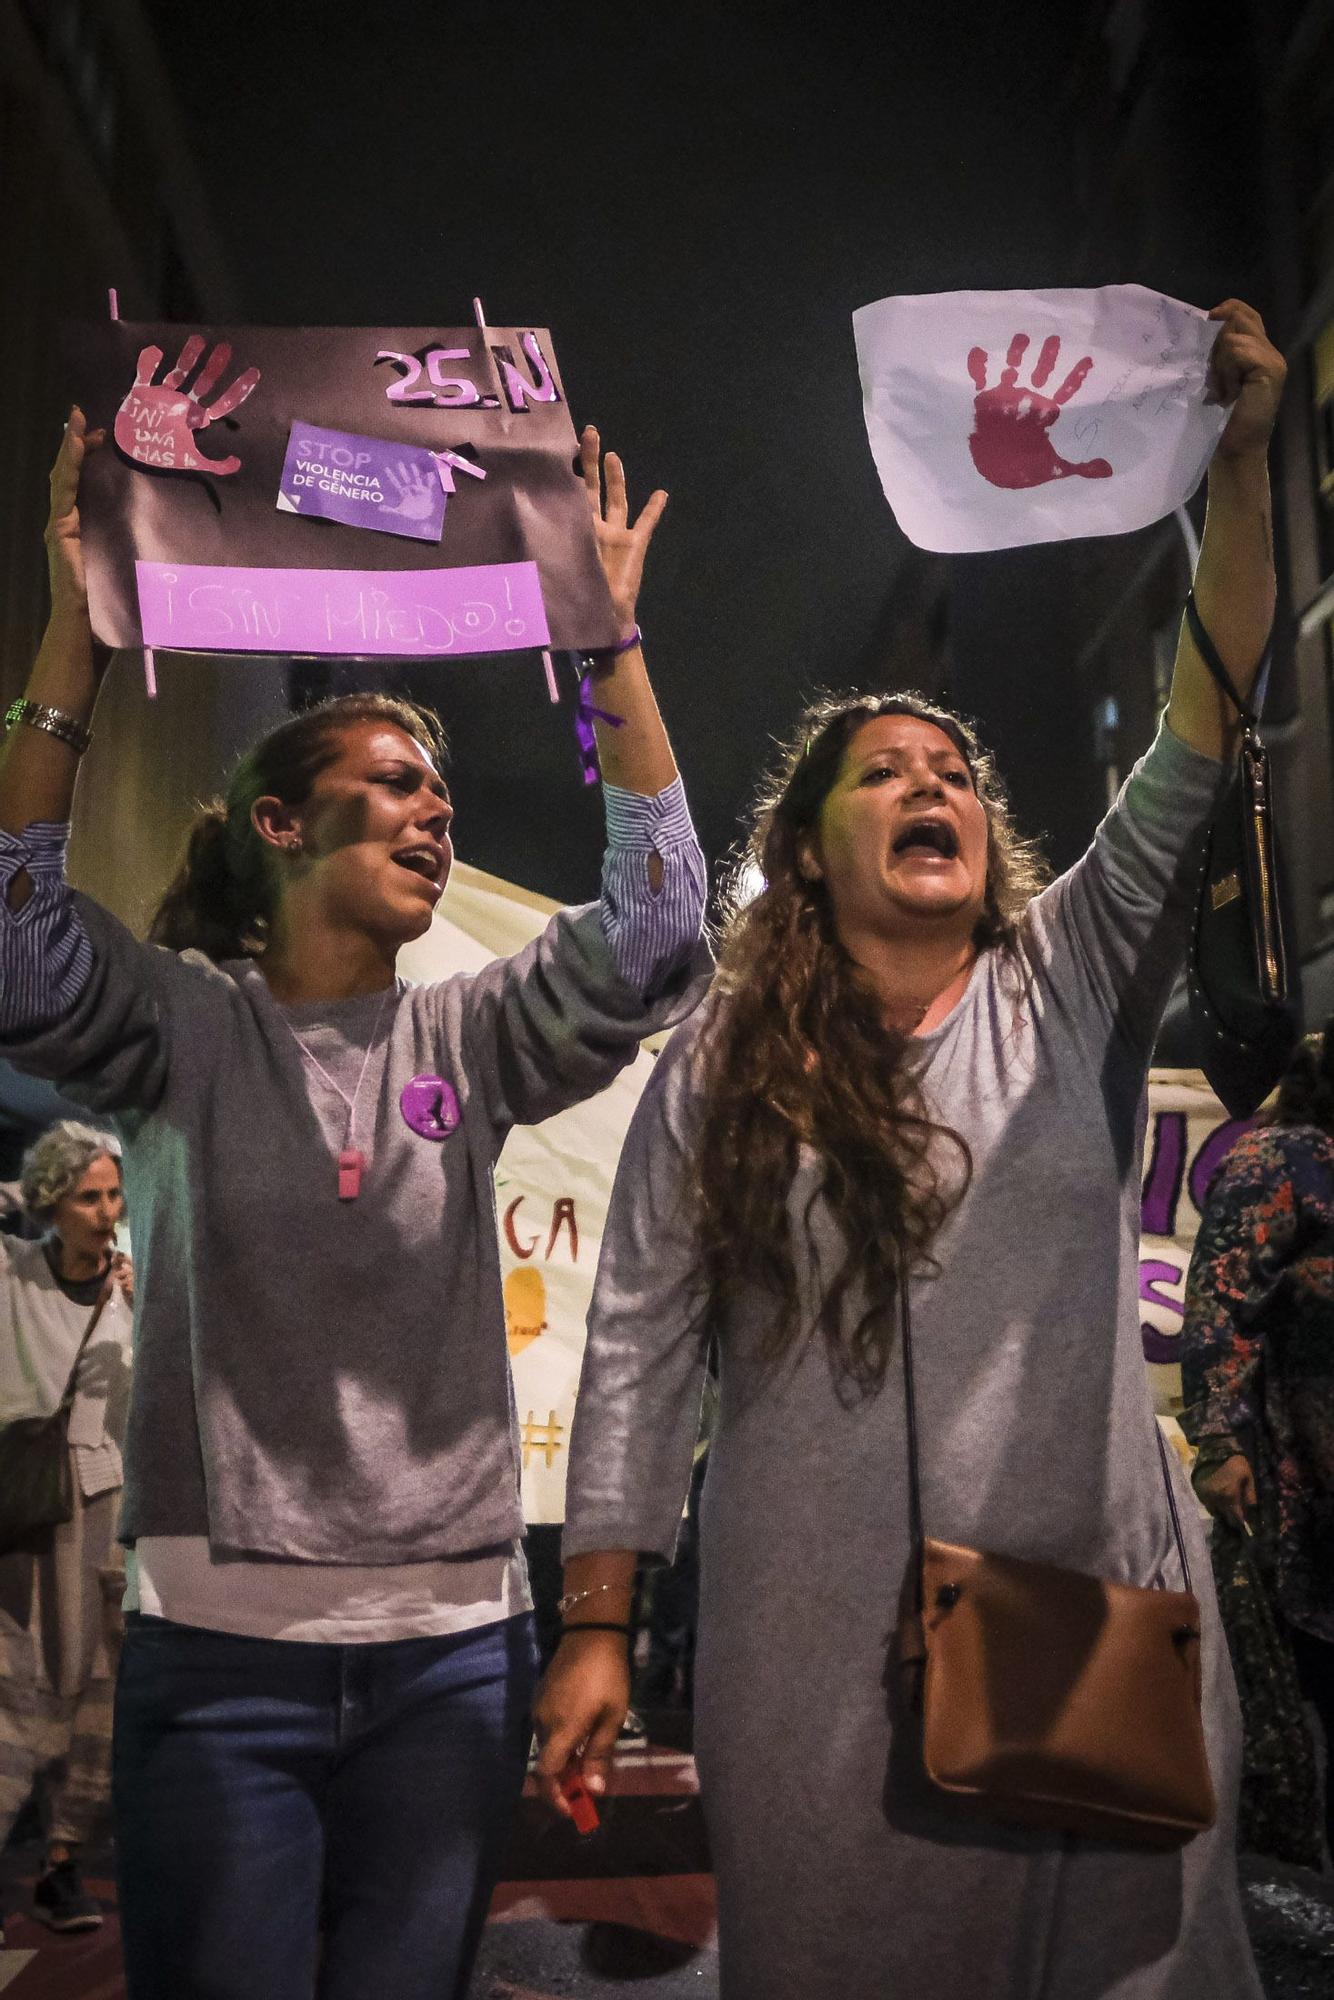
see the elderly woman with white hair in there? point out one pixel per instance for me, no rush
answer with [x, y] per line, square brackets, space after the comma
[65, 1322]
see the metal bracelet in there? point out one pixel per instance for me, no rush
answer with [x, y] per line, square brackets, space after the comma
[66, 728]
[573, 1597]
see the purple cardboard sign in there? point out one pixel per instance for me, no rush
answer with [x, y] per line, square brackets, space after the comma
[367, 482]
[405, 614]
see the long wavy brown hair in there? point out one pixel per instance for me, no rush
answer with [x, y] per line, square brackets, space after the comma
[798, 1053]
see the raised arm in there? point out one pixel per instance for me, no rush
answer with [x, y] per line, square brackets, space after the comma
[636, 755]
[1234, 580]
[38, 768]
[560, 1019]
[78, 995]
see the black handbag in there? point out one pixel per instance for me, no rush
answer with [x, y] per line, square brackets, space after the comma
[1244, 1002]
[36, 1483]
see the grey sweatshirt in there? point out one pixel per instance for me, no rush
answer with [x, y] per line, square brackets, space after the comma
[316, 1379]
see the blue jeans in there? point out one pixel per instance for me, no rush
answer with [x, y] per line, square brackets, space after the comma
[268, 1791]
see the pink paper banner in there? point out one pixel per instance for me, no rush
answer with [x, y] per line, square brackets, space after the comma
[209, 608]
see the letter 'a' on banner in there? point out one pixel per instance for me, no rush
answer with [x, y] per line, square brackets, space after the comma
[999, 419]
[408, 492]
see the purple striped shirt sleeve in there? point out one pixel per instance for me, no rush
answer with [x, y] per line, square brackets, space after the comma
[651, 933]
[46, 959]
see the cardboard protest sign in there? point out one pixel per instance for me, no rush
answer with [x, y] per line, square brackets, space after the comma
[408, 491]
[999, 419]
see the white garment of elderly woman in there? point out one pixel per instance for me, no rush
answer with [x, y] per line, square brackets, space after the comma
[40, 1332]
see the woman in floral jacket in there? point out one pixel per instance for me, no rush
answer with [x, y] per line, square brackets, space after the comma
[1258, 1360]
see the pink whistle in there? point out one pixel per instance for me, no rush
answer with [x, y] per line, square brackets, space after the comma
[350, 1163]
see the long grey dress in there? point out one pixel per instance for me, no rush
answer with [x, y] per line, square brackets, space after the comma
[834, 1883]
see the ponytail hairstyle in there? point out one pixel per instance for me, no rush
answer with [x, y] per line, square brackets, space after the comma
[1306, 1094]
[224, 894]
[798, 1054]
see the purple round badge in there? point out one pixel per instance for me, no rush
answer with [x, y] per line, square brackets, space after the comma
[430, 1106]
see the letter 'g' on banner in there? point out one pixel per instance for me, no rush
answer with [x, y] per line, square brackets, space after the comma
[999, 419]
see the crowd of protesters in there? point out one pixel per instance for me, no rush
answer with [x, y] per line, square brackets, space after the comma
[914, 1042]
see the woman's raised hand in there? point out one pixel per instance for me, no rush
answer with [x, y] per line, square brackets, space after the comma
[622, 544]
[1246, 375]
[64, 540]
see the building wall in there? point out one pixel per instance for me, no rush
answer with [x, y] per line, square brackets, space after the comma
[98, 190]
[1208, 174]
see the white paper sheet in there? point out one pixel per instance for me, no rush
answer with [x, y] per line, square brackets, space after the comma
[997, 419]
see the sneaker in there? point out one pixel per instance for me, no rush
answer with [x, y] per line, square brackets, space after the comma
[633, 1733]
[60, 1900]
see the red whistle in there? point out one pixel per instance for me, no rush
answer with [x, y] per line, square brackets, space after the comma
[350, 1163]
[580, 1801]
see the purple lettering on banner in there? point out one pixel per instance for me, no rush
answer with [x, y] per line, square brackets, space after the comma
[1153, 1273]
[426, 613]
[1162, 1183]
[518, 390]
[363, 482]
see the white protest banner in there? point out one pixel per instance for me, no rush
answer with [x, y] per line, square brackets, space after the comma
[998, 419]
[1188, 1135]
[553, 1185]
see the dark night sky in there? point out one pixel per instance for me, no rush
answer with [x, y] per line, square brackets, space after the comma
[694, 198]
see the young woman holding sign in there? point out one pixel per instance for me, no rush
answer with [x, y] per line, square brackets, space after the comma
[322, 1709]
[912, 1054]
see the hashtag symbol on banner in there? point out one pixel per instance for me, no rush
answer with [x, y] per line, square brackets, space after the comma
[545, 1438]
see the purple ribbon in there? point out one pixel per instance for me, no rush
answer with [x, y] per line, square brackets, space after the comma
[585, 715]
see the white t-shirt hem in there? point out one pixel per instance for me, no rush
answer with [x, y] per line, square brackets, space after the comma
[175, 1577]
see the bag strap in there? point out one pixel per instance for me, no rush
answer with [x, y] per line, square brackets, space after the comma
[1208, 652]
[1172, 1505]
[103, 1299]
[916, 1526]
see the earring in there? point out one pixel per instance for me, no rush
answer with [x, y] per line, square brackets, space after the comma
[293, 845]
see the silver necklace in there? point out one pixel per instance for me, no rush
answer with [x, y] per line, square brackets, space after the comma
[351, 1159]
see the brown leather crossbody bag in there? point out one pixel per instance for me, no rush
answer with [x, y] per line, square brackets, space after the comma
[1046, 1697]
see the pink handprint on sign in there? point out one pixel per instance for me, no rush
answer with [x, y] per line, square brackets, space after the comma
[157, 424]
[417, 498]
[1011, 440]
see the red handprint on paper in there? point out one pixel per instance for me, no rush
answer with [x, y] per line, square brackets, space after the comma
[1011, 441]
[157, 424]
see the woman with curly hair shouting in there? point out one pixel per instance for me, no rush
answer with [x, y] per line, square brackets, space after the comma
[914, 1059]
